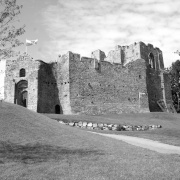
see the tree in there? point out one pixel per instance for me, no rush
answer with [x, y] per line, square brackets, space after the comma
[9, 30]
[175, 83]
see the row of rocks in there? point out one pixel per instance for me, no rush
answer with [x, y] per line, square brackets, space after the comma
[113, 127]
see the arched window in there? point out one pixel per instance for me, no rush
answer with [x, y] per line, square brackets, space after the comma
[22, 72]
[151, 60]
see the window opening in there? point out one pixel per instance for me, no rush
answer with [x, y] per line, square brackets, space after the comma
[22, 73]
[151, 61]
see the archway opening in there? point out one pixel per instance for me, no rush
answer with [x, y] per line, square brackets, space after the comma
[21, 96]
[57, 109]
[151, 60]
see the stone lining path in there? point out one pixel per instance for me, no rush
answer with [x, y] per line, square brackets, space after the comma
[145, 143]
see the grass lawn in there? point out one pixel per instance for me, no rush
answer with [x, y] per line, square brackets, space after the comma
[169, 133]
[32, 146]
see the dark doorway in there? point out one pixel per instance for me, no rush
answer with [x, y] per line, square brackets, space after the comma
[21, 93]
[57, 109]
[24, 98]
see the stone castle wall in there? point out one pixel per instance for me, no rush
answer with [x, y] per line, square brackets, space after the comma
[145, 50]
[129, 79]
[154, 89]
[12, 78]
[167, 82]
[63, 82]
[124, 54]
[48, 92]
[2, 76]
[106, 87]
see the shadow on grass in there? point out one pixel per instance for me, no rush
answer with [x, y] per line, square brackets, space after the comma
[38, 153]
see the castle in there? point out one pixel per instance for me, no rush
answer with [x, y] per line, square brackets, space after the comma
[130, 79]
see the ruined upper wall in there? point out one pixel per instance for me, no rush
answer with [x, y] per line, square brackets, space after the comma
[145, 51]
[115, 56]
[126, 54]
[99, 55]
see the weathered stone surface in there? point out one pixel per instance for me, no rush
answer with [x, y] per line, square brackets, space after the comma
[129, 129]
[95, 125]
[99, 55]
[128, 80]
[110, 125]
[80, 123]
[125, 82]
[146, 127]
[105, 128]
[90, 124]
[71, 123]
[84, 124]
[100, 125]
[113, 127]
[110, 128]
[62, 122]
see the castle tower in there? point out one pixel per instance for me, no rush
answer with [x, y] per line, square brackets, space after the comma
[21, 82]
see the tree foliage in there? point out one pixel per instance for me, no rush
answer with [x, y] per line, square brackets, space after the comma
[9, 30]
[175, 82]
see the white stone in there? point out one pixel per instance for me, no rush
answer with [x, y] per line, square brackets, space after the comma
[89, 124]
[84, 124]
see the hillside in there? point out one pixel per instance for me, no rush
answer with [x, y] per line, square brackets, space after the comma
[33, 146]
[20, 125]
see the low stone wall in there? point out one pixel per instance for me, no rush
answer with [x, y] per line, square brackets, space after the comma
[113, 127]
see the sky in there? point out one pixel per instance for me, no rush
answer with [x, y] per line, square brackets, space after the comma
[82, 26]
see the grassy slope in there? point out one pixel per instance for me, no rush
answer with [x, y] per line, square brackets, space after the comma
[33, 146]
[169, 134]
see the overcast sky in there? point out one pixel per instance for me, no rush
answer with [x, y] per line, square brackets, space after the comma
[82, 26]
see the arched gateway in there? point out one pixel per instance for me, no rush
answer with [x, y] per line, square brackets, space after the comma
[21, 93]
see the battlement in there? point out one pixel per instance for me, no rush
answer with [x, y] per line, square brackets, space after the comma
[75, 84]
[124, 55]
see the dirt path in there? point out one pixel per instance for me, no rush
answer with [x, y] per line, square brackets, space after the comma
[145, 143]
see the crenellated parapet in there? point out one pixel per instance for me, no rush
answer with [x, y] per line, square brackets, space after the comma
[121, 55]
[129, 79]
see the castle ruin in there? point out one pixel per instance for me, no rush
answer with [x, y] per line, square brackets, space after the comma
[130, 79]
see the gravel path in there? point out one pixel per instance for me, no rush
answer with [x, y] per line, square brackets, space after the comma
[145, 143]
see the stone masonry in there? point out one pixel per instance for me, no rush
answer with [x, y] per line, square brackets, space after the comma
[130, 79]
